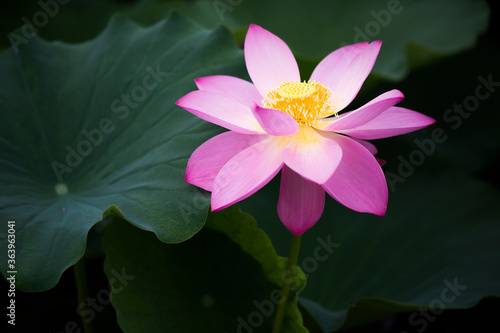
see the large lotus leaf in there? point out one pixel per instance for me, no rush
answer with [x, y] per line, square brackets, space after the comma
[91, 130]
[413, 32]
[437, 247]
[227, 278]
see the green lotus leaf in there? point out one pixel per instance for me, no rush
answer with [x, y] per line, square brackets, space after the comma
[414, 32]
[227, 278]
[91, 130]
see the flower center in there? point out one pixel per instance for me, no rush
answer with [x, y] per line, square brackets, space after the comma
[307, 102]
[61, 189]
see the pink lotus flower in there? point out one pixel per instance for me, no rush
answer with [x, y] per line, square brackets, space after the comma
[281, 123]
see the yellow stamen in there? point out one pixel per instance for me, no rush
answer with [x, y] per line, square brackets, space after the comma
[307, 102]
[296, 89]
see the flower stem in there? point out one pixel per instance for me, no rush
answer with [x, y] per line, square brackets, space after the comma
[81, 288]
[290, 270]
